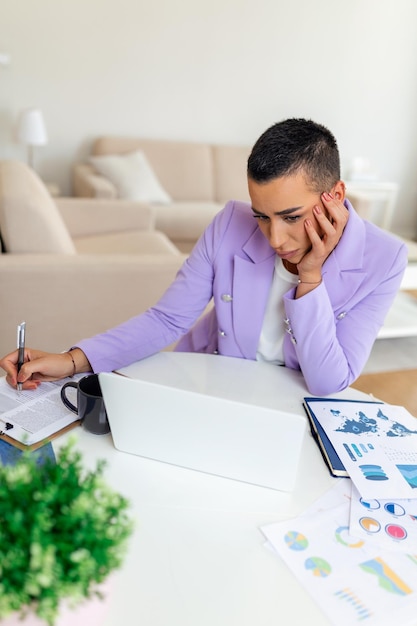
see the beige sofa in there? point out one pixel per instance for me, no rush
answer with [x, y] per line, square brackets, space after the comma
[74, 267]
[198, 177]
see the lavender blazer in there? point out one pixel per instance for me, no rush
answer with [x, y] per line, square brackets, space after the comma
[330, 330]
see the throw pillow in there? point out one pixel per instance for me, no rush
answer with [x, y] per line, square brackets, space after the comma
[132, 175]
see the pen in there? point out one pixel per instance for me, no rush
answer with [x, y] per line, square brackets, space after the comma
[21, 330]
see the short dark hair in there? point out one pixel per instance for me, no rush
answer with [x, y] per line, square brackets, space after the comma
[292, 146]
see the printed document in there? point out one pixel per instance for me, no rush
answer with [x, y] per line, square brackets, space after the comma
[31, 416]
[377, 444]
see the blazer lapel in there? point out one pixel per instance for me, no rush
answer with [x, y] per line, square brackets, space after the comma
[252, 278]
[343, 272]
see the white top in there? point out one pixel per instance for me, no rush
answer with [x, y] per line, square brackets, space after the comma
[271, 341]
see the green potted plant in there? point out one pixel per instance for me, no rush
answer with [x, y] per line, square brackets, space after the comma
[63, 530]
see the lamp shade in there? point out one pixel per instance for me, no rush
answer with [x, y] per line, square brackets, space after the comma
[4, 58]
[31, 128]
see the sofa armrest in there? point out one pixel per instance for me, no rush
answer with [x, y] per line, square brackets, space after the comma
[87, 183]
[89, 216]
[66, 298]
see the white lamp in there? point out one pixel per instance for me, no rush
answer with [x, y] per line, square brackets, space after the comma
[4, 58]
[31, 131]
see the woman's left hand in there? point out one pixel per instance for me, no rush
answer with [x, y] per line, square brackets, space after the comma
[324, 235]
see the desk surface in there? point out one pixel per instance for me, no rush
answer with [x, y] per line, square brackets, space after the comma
[197, 556]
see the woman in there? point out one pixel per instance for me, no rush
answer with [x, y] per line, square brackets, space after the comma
[297, 278]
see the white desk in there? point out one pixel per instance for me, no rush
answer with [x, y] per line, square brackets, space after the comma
[197, 556]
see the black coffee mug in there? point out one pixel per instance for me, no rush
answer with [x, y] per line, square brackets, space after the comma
[90, 404]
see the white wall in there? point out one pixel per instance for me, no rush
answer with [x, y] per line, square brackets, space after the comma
[216, 70]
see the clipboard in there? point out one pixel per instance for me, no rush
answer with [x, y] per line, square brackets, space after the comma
[38, 444]
[50, 416]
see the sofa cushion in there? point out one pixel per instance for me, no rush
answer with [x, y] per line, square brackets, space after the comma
[29, 219]
[230, 165]
[132, 176]
[134, 242]
[184, 169]
[175, 219]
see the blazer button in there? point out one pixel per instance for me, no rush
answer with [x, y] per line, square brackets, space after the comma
[293, 339]
[341, 315]
[226, 297]
[222, 333]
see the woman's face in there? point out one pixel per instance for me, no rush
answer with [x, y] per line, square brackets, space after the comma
[281, 207]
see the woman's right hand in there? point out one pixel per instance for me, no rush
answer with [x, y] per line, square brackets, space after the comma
[42, 366]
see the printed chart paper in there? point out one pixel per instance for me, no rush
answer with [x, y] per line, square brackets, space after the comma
[391, 524]
[377, 444]
[352, 580]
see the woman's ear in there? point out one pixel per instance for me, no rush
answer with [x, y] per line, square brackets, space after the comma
[339, 190]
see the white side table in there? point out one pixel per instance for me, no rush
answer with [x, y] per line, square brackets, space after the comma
[382, 196]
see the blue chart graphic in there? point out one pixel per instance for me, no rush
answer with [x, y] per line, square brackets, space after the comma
[295, 540]
[362, 612]
[381, 426]
[349, 451]
[370, 504]
[409, 472]
[373, 472]
[355, 450]
[394, 508]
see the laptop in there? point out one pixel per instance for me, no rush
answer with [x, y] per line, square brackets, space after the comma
[209, 413]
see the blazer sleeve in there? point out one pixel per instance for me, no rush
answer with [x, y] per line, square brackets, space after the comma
[171, 317]
[332, 348]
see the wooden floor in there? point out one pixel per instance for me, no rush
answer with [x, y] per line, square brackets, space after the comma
[399, 387]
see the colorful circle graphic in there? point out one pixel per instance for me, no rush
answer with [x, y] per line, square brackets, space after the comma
[394, 508]
[343, 537]
[396, 532]
[370, 504]
[319, 567]
[295, 540]
[370, 524]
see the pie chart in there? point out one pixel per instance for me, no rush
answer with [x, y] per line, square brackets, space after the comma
[370, 524]
[295, 540]
[395, 532]
[318, 567]
[370, 504]
[343, 537]
[394, 508]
